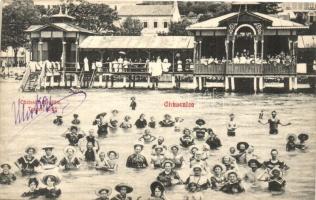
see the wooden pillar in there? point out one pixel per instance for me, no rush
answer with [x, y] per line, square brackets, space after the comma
[255, 84]
[262, 47]
[63, 55]
[200, 49]
[261, 84]
[52, 80]
[40, 44]
[232, 79]
[172, 61]
[226, 83]
[77, 82]
[194, 52]
[233, 48]
[129, 81]
[124, 81]
[255, 44]
[226, 48]
[200, 83]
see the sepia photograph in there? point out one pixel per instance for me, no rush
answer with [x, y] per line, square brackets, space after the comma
[157, 100]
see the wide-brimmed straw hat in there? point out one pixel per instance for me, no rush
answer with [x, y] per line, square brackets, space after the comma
[118, 187]
[244, 143]
[139, 145]
[200, 122]
[168, 161]
[156, 184]
[30, 147]
[174, 146]
[48, 147]
[112, 151]
[68, 148]
[303, 136]
[56, 179]
[254, 161]
[107, 189]
[5, 164]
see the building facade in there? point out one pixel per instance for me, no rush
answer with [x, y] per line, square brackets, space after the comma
[155, 18]
[306, 9]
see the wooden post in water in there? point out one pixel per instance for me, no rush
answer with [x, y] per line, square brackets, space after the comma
[232, 79]
[255, 84]
[226, 83]
[261, 84]
[295, 83]
[124, 81]
[290, 84]
[173, 81]
[194, 83]
[100, 81]
[106, 81]
[112, 81]
[200, 83]
[148, 81]
[134, 77]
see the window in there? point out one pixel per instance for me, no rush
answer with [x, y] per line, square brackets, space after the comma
[145, 25]
[165, 24]
[155, 24]
[311, 19]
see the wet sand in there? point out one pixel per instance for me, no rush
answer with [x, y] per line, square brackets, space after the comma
[300, 109]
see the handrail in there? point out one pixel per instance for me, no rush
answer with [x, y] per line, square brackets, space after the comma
[92, 78]
[41, 76]
[25, 78]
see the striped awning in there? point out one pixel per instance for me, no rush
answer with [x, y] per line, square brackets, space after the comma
[138, 42]
[306, 41]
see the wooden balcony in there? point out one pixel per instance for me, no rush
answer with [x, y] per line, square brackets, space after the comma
[213, 69]
[245, 69]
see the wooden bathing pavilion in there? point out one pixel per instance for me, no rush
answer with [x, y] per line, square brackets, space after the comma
[65, 55]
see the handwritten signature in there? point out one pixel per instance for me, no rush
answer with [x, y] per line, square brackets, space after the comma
[44, 105]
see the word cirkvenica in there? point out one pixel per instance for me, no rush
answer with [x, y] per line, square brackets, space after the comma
[174, 104]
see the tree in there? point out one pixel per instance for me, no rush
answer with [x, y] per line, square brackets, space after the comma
[94, 17]
[17, 17]
[269, 8]
[131, 26]
[179, 28]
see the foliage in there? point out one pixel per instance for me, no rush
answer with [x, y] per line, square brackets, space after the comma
[269, 8]
[17, 17]
[131, 26]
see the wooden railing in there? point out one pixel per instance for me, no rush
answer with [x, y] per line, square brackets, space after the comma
[245, 69]
[216, 69]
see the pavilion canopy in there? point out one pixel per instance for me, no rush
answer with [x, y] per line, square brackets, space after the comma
[138, 42]
[306, 41]
[276, 23]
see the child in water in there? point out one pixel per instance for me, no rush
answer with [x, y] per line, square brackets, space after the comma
[218, 179]
[51, 191]
[6, 177]
[186, 140]
[200, 130]
[302, 138]
[147, 137]
[166, 122]
[75, 121]
[126, 124]
[177, 122]
[114, 119]
[290, 145]
[231, 126]
[58, 121]
[152, 122]
[194, 192]
[33, 193]
[233, 185]
[275, 181]
[133, 103]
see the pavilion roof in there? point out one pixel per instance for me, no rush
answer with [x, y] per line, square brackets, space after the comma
[67, 27]
[277, 23]
[138, 42]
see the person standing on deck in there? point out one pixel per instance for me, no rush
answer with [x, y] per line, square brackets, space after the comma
[274, 122]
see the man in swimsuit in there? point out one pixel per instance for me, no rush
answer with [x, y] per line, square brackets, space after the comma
[274, 122]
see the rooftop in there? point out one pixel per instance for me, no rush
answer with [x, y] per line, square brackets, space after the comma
[146, 10]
